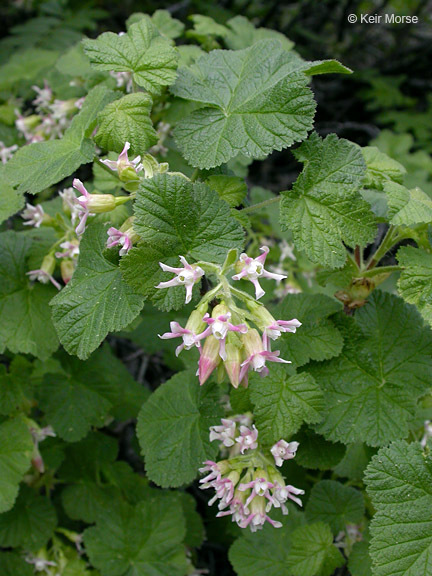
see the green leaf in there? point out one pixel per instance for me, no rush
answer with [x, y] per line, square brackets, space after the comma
[324, 209]
[399, 482]
[30, 523]
[176, 217]
[407, 207]
[142, 51]
[167, 25]
[24, 306]
[371, 390]
[195, 533]
[16, 449]
[205, 26]
[317, 453]
[256, 101]
[42, 164]
[96, 301]
[15, 386]
[380, 168]
[73, 405]
[242, 34]
[27, 66]
[359, 561]
[415, 281]
[267, 551]
[11, 201]
[139, 541]
[12, 564]
[282, 403]
[317, 338]
[336, 504]
[173, 429]
[354, 462]
[312, 552]
[232, 189]
[127, 120]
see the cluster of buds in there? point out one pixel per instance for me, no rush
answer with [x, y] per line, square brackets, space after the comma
[247, 483]
[226, 340]
[51, 119]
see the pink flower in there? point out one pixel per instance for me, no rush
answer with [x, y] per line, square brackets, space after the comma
[215, 472]
[6, 153]
[43, 277]
[71, 250]
[282, 494]
[116, 238]
[44, 96]
[34, 215]
[224, 433]
[258, 355]
[219, 326]
[259, 487]
[248, 438]
[274, 330]
[283, 450]
[186, 276]
[253, 268]
[81, 205]
[123, 161]
[190, 339]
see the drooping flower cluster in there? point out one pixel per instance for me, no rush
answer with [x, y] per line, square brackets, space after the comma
[52, 116]
[225, 338]
[247, 484]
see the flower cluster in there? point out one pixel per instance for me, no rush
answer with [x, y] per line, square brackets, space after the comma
[225, 338]
[249, 485]
[52, 116]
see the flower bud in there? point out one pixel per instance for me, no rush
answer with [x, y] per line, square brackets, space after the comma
[252, 342]
[261, 315]
[220, 310]
[67, 268]
[98, 203]
[127, 174]
[209, 359]
[48, 264]
[232, 363]
[195, 323]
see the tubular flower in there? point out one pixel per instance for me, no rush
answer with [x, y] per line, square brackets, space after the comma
[283, 450]
[34, 215]
[225, 433]
[44, 274]
[253, 268]
[257, 355]
[186, 276]
[248, 439]
[70, 250]
[192, 334]
[127, 169]
[91, 204]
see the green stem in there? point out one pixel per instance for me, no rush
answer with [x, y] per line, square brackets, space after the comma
[380, 270]
[391, 238]
[263, 204]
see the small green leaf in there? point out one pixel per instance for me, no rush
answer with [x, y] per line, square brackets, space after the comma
[11, 201]
[16, 449]
[324, 208]
[15, 386]
[96, 301]
[415, 281]
[12, 564]
[399, 482]
[407, 207]
[141, 541]
[127, 120]
[243, 114]
[232, 189]
[242, 34]
[371, 389]
[173, 429]
[30, 523]
[336, 504]
[25, 325]
[354, 462]
[282, 403]
[380, 168]
[142, 51]
[312, 551]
